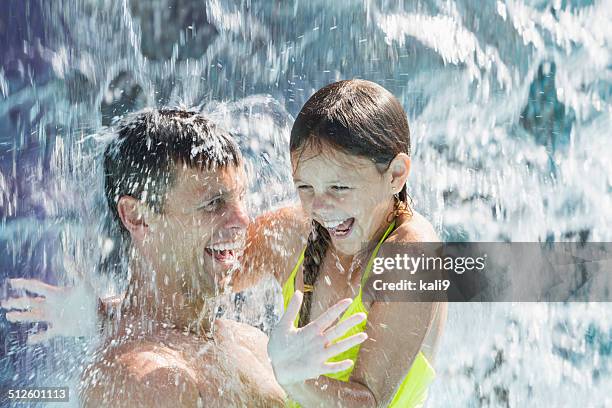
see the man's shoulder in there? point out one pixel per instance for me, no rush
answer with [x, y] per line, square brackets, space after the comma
[140, 372]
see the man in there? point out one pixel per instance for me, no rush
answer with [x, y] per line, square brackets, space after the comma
[174, 183]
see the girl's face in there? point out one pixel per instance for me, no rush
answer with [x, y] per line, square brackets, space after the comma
[348, 195]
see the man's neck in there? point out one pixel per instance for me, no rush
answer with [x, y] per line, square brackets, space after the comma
[159, 303]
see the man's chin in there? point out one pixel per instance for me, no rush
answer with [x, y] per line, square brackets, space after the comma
[223, 272]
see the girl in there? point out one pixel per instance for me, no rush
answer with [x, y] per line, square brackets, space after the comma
[350, 152]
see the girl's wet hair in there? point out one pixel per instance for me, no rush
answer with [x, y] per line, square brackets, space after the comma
[359, 118]
[142, 159]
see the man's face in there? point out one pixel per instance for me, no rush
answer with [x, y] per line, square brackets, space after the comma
[199, 237]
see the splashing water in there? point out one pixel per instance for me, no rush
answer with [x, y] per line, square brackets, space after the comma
[509, 104]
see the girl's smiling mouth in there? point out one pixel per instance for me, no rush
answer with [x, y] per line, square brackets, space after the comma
[339, 228]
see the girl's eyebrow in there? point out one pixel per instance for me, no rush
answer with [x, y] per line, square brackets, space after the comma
[297, 180]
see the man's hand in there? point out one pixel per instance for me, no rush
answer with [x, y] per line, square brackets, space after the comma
[301, 354]
[68, 311]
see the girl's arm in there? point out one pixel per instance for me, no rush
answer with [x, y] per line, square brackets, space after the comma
[384, 360]
[398, 330]
[300, 355]
[327, 392]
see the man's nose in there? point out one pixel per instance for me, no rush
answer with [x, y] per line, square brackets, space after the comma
[237, 217]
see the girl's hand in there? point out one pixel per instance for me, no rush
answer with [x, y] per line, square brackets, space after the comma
[68, 311]
[301, 354]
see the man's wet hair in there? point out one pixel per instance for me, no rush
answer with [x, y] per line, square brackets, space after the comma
[141, 161]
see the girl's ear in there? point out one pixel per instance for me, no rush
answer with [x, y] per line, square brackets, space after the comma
[133, 217]
[399, 170]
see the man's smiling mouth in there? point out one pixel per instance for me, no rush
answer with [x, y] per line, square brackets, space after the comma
[225, 252]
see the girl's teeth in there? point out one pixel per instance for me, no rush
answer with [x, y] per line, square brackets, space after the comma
[341, 228]
[332, 224]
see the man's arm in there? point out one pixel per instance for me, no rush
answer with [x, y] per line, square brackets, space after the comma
[68, 311]
[274, 242]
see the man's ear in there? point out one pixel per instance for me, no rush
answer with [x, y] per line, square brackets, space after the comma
[399, 170]
[133, 216]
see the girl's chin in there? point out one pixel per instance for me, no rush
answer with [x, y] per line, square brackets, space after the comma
[348, 247]
[343, 231]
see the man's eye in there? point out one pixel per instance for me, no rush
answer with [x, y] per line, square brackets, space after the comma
[304, 187]
[339, 188]
[213, 204]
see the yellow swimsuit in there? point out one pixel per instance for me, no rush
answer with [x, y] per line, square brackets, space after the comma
[413, 390]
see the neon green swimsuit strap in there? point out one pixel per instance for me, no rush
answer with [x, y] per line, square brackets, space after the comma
[289, 286]
[366, 272]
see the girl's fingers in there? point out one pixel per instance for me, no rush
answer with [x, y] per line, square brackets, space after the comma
[336, 367]
[344, 326]
[33, 286]
[343, 345]
[292, 309]
[329, 316]
[25, 317]
[22, 303]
